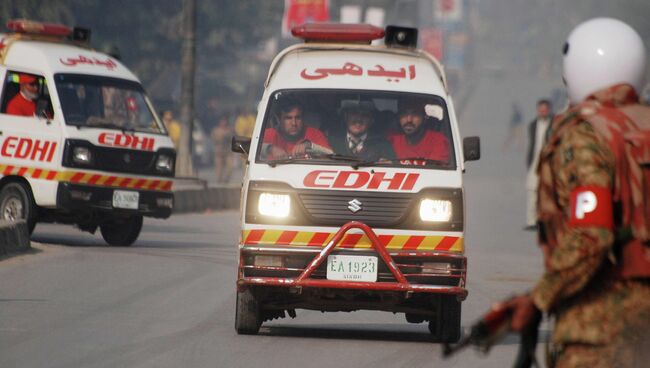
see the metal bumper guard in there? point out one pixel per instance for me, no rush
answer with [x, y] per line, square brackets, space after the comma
[304, 280]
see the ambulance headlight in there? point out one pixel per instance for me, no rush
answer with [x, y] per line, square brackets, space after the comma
[82, 155]
[274, 205]
[164, 163]
[435, 210]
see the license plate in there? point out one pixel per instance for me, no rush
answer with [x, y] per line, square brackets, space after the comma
[352, 268]
[126, 199]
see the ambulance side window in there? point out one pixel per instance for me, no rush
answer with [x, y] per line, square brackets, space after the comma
[25, 94]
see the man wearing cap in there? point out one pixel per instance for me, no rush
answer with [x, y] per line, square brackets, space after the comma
[23, 103]
[358, 139]
[416, 139]
[292, 137]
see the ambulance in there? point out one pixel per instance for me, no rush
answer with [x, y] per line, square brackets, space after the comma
[80, 142]
[327, 226]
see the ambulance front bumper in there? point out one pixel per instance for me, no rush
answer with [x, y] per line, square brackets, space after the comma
[80, 198]
[431, 272]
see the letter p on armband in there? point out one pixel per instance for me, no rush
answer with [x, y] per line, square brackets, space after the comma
[591, 206]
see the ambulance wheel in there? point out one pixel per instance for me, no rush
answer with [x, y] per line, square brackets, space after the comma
[17, 203]
[248, 318]
[121, 232]
[445, 327]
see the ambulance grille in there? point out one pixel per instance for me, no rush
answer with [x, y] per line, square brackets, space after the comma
[374, 210]
[121, 160]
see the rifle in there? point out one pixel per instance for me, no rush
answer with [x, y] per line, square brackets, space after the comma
[493, 327]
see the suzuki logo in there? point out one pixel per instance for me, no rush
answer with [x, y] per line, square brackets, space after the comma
[354, 205]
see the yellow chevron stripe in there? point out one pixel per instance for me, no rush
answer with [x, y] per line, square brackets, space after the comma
[459, 246]
[364, 242]
[67, 176]
[271, 236]
[397, 242]
[302, 238]
[102, 180]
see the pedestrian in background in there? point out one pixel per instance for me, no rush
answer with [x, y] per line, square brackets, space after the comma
[537, 134]
[244, 126]
[173, 127]
[594, 234]
[223, 161]
[515, 129]
[244, 123]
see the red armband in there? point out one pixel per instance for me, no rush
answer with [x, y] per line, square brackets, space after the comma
[591, 206]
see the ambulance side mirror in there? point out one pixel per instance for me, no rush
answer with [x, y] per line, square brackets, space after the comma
[472, 148]
[43, 110]
[240, 144]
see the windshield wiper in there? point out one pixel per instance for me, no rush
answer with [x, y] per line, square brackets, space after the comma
[370, 163]
[106, 125]
[314, 155]
[284, 160]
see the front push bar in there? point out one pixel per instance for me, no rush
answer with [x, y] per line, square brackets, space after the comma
[304, 280]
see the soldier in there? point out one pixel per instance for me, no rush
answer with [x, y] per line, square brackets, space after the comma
[600, 299]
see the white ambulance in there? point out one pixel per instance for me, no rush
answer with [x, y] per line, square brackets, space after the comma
[353, 192]
[80, 142]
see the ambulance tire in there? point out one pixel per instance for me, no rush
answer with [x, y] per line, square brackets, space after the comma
[16, 196]
[446, 326]
[248, 317]
[121, 232]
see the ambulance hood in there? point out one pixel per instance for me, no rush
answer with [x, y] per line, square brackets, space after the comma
[371, 179]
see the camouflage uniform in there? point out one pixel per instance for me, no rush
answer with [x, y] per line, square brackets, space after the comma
[602, 320]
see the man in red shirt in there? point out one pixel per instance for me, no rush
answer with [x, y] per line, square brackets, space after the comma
[23, 102]
[416, 139]
[292, 137]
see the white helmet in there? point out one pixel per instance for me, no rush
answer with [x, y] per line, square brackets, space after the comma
[600, 53]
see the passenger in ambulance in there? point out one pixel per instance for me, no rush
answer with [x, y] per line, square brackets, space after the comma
[291, 137]
[359, 139]
[416, 137]
[24, 102]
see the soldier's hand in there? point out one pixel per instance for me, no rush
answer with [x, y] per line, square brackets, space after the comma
[524, 312]
[546, 253]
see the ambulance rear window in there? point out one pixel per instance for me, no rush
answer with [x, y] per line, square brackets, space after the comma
[104, 102]
[357, 127]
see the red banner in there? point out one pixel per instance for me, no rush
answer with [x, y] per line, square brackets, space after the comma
[297, 12]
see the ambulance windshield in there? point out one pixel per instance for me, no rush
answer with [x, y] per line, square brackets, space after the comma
[359, 128]
[102, 102]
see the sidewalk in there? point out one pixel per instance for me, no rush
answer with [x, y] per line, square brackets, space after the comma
[204, 193]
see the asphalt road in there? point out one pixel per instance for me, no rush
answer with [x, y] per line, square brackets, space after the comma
[169, 300]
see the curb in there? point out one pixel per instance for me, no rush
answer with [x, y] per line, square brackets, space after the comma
[208, 198]
[14, 237]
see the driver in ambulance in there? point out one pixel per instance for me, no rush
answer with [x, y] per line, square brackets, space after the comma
[292, 137]
[23, 103]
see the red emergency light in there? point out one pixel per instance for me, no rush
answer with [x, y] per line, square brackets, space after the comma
[334, 32]
[37, 28]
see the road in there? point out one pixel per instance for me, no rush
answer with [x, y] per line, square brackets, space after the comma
[169, 300]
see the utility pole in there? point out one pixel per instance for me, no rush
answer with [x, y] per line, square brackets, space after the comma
[184, 159]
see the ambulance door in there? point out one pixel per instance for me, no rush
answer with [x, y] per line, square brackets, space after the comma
[30, 133]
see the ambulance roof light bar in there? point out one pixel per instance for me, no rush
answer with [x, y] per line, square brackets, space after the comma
[334, 32]
[37, 28]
